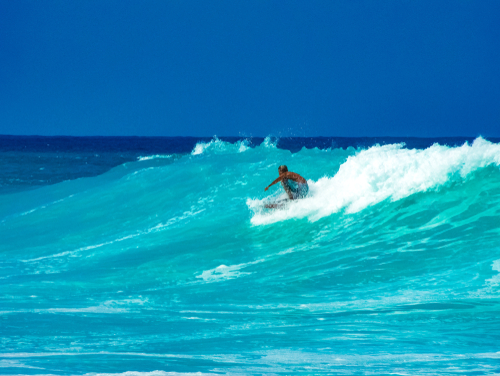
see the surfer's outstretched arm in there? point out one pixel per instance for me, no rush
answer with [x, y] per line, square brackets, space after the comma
[274, 182]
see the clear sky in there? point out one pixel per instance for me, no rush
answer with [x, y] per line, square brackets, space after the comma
[250, 68]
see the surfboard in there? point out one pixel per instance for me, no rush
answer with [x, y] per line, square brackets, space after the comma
[277, 204]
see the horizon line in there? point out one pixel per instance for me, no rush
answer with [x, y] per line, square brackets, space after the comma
[239, 136]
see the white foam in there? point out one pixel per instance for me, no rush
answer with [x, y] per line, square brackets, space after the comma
[220, 147]
[153, 373]
[130, 373]
[221, 273]
[198, 318]
[380, 173]
[107, 307]
[150, 157]
[491, 285]
[269, 142]
[243, 146]
[224, 272]
[5, 363]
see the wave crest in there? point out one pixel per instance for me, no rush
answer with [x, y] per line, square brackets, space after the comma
[380, 173]
[217, 146]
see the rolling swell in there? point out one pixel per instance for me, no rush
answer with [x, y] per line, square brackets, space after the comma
[170, 263]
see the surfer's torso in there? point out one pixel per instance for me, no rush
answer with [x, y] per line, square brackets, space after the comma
[294, 184]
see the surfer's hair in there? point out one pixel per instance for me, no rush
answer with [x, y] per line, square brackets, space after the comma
[282, 168]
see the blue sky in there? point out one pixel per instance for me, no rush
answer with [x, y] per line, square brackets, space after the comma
[250, 68]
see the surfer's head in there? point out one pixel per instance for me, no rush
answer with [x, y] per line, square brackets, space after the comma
[282, 169]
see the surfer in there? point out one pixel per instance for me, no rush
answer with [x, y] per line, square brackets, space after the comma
[295, 185]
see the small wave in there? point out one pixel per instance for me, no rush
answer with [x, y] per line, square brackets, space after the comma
[217, 146]
[380, 173]
[150, 157]
[270, 142]
[157, 228]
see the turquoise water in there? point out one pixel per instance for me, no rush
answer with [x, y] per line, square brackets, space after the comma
[170, 264]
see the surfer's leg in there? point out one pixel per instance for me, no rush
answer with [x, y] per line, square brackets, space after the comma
[287, 188]
[303, 190]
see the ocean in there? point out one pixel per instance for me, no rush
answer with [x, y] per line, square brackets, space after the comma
[156, 256]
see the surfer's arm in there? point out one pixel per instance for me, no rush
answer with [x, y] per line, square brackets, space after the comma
[276, 181]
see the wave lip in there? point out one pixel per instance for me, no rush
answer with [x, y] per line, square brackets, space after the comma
[384, 172]
[217, 146]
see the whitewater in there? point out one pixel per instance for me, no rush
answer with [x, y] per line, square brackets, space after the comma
[168, 263]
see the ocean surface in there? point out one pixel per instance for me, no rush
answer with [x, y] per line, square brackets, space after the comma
[156, 256]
